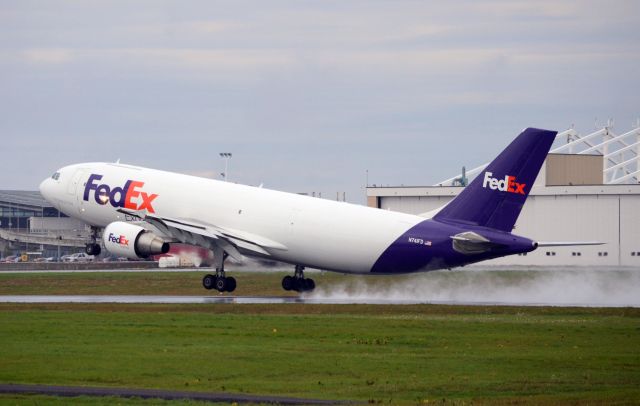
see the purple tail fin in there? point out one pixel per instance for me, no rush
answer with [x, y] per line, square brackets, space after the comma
[496, 196]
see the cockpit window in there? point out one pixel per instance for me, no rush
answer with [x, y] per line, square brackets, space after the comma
[55, 176]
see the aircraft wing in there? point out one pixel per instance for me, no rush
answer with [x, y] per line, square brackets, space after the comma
[195, 232]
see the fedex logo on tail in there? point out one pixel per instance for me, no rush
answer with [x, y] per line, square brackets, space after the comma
[129, 196]
[508, 184]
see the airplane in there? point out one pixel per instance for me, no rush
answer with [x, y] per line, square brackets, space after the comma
[142, 211]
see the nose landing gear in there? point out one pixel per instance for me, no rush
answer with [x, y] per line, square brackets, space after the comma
[298, 282]
[93, 248]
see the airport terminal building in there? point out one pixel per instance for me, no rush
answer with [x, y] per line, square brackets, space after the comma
[29, 224]
[576, 197]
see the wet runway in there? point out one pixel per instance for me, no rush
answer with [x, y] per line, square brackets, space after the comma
[557, 287]
[55, 390]
[129, 299]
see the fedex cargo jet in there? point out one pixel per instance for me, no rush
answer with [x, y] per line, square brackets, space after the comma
[140, 212]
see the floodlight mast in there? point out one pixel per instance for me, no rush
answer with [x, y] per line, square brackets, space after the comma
[226, 156]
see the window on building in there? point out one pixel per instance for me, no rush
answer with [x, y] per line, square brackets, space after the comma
[605, 253]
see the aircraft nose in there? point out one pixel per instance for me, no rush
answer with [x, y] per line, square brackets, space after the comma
[46, 189]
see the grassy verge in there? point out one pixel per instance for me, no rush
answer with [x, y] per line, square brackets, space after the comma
[147, 283]
[390, 354]
[31, 400]
[460, 284]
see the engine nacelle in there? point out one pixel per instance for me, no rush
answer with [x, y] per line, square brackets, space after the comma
[132, 241]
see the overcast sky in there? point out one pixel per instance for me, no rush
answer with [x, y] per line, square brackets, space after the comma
[307, 95]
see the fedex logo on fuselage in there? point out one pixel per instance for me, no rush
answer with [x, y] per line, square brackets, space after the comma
[129, 196]
[508, 184]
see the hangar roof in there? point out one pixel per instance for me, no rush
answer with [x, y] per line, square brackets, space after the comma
[23, 198]
[621, 153]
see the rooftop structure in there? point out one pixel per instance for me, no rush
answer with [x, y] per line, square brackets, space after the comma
[620, 152]
[17, 206]
[29, 223]
[31, 198]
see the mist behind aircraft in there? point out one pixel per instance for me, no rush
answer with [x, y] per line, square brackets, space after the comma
[549, 286]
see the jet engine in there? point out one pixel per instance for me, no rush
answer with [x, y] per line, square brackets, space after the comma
[132, 241]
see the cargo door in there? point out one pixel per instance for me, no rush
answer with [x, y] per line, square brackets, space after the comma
[75, 188]
[72, 186]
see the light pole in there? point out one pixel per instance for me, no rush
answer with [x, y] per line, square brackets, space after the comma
[226, 156]
[58, 259]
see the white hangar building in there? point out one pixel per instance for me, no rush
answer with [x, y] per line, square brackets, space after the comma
[588, 190]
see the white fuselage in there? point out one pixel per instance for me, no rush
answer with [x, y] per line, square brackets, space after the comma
[315, 232]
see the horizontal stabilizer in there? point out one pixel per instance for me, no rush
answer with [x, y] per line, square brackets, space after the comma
[568, 243]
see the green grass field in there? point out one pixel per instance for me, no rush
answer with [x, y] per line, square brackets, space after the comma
[417, 354]
[89, 401]
[144, 283]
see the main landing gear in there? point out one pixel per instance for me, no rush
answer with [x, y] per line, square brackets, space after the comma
[298, 282]
[219, 281]
[93, 248]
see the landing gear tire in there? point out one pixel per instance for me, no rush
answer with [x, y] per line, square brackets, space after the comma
[224, 284]
[288, 283]
[305, 285]
[219, 281]
[209, 282]
[298, 284]
[309, 284]
[231, 284]
[92, 249]
[221, 284]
